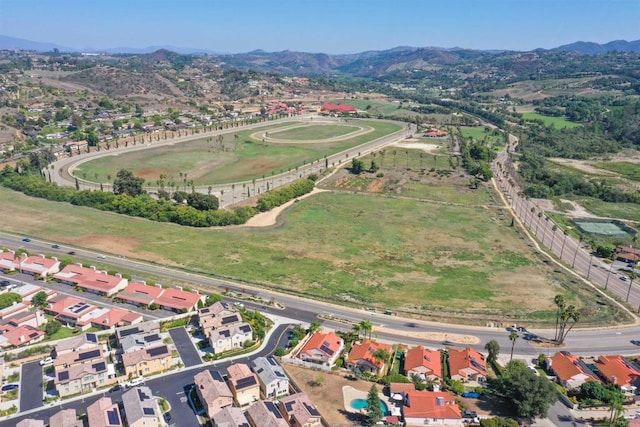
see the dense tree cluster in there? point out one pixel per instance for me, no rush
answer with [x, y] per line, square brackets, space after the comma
[8, 299]
[279, 197]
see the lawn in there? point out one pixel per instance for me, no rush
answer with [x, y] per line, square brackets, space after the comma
[623, 211]
[237, 157]
[403, 253]
[557, 122]
[312, 132]
[628, 170]
[374, 106]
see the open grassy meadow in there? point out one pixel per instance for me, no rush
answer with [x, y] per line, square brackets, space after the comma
[557, 122]
[376, 106]
[311, 132]
[235, 157]
[627, 170]
[391, 248]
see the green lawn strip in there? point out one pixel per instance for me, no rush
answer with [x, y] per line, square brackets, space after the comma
[628, 170]
[376, 106]
[311, 132]
[557, 122]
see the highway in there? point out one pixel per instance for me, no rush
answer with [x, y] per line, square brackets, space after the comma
[586, 342]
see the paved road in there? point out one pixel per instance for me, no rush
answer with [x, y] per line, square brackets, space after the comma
[585, 342]
[229, 194]
[31, 391]
[188, 352]
[169, 386]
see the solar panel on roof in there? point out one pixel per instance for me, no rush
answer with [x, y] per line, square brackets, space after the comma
[89, 354]
[326, 349]
[92, 337]
[245, 328]
[273, 409]
[272, 361]
[246, 382]
[280, 374]
[289, 406]
[128, 332]
[312, 410]
[204, 311]
[225, 333]
[64, 375]
[151, 338]
[148, 411]
[157, 351]
[142, 395]
[99, 366]
[229, 319]
[113, 417]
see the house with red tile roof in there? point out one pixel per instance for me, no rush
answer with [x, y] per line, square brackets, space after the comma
[363, 356]
[322, 348]
[299, 411]
[340, 108]
[627, 254]
[570, 371]
[27, 291]
[13, 309]
[91, 280]
[467, 365]
[425, 363]
[431, 407]
[71, 311]
[38, 265]
[8, 261]
[619, 371]
[34, 318]
[115, 317]
[20, 335]
[140, 294]
[179, 300]
[435, 133]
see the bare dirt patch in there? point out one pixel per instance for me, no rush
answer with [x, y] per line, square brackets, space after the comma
[584, 166]
[268, 218]
[418, 146]
[124, 246]
[328, 396]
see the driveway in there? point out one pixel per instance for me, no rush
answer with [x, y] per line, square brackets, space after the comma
[186, 348]
[31, 386]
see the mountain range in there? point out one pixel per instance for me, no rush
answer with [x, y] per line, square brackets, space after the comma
[587, 48]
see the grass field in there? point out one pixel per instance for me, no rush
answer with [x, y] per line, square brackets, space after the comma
[557, 122]
[624, 211]
[311, 132]
[236, 158]
[376, 106]
[628, 170]
[404, 253]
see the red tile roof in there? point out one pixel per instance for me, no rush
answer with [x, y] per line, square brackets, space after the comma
[421, 357]
[431, 404]
[339, 108]
[321, 341]
[140, 293]
[177, 299]
[467, 358]
[566, 366]
[365, 351]
[116, 317]
[617, 370]
[22, 334]
[89, 278]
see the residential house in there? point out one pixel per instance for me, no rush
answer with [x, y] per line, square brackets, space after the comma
[65, 418]
[435, 133]
[243, 384]
[8, 261]
[425, 363]
[141, 408]
[88, 341]
[38, 266]
[140, 294]
[71, 311]
[79, 377]
[137, 329]
[104, 413]
[20, 335]
[322, 348]
[27, 292]
[13, 309]
[109, 318]
[398, 391]
[364, 356]
[217, 315]
[467, 365]
[30, 422]
[213, 392]
[299, 411]
[230, 337]
[570, 371]
[265, 413]
[135, 342]
[430, 407]
[91, 280]
[34, 319]
[274, 383]
[620, 371]
[147, 361]
[230, 417]
[178, 300]
[628, 254]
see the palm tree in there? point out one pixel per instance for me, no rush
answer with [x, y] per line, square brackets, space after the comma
[553, 236]
[538, 223]
[513, 336]
[632, 276]
[366, 327]
[573, 264]
[357, 329]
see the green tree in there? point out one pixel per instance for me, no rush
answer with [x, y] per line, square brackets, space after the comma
[212, 299]
[357, 166]
[513, 337]
[127, 183]
[39, 299]
[528, 394]
[8, 299]
[498, 422]
[366, 327]
[374, 410]
[494, 350]
[52, 327]
[418, 382]
[315, 326]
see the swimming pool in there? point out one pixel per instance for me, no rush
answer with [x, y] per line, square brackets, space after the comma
[359, 404]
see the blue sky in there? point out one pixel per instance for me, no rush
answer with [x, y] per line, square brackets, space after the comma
[331, 26]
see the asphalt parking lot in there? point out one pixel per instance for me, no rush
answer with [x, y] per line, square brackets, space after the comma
[31, 386]
[188, 352]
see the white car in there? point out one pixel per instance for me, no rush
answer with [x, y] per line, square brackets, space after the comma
[624, 278]
[46, 361]
[102, 256]
[135, 382]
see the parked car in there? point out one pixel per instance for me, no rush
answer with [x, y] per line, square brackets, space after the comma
[471, 394]
[55, 246]
[135, 382]
[5, 283]
[115, 388]
[102, 256]
[238, 304]
[26, 239]
[624, 278]
[46, 361]
[71, 252]
[10, 387]
[167, 417]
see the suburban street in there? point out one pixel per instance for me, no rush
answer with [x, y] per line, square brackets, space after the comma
[170, 385]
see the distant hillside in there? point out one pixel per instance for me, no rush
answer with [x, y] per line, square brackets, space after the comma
[12, 43]
[590, 48]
